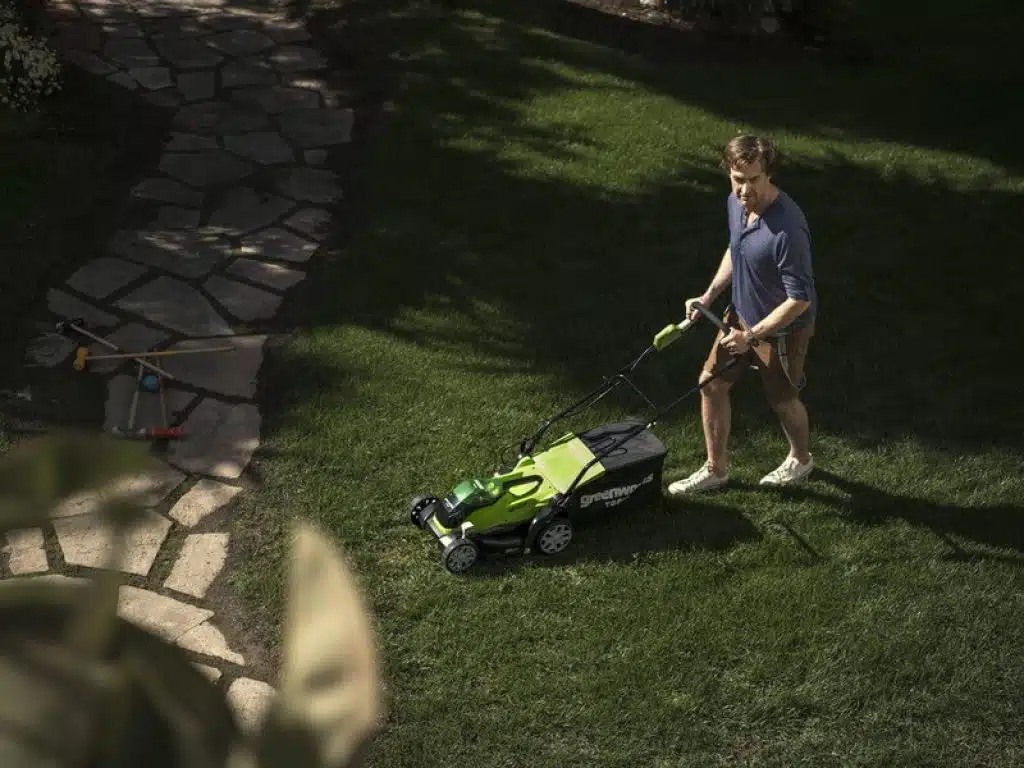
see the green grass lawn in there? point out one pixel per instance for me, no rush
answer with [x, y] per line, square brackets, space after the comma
[538, 208]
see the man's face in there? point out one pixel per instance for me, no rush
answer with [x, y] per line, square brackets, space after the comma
[750, 184]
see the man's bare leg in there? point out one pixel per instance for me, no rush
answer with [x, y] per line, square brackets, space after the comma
[795, 424]
[716, 416]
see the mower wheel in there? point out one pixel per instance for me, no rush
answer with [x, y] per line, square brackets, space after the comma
[555, 536]
[417, 505]
[460, 555]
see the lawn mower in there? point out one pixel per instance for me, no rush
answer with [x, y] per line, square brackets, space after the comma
[529, 504]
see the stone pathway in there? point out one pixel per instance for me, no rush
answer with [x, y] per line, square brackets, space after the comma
[213, 240]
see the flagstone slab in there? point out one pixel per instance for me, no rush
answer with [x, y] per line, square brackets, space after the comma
[232, 373]
[174, 217]
[129, 53]
[189, 253]
[213, 674]
[120, 28]
[277, 99]
[312, 128]
[251, 701]
[243, 301]
[276, 276]
[175, 305]
[222, 439]
[264, 147]
[124, 80]
[278, 244]
[165, 616]
[69, 307]
[101, 277]
[207, 167]
[244, 210]
[26, 552]
[248, 72]
[314, 223]
[220, 118]
[313, 185]
[287, 32]
[241, 42]
[229, 21]
[209, 641]
[297, 58]
[149, 488]
[181, 27]
[197, 85]
[203, 499]
[189, 142]
[187, 53]
[88, 540]
[201, 560]
[153, 78]
[168, 191]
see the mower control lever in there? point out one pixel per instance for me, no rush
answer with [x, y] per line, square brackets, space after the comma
[671, 332]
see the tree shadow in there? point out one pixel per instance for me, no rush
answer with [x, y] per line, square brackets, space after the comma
[851, 93]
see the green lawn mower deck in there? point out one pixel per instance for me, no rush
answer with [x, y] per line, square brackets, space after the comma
[530, 505]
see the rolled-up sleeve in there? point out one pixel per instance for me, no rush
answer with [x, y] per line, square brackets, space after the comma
[793, 258]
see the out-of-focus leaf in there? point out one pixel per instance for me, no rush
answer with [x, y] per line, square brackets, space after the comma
[329, 702]
[122, 511]
[143, 704]
[37, 474]
[93, 625]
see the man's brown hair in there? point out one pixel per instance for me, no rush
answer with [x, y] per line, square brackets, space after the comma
[746, 148]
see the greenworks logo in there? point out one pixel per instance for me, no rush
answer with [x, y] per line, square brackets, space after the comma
[613, 496]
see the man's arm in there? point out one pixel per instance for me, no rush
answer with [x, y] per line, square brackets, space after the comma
[719, 283]
[721, 279]
[778, 318]
[794, 262]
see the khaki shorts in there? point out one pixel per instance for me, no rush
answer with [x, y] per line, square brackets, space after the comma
[779, 360]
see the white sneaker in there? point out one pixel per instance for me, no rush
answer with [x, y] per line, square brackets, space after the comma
[789, 472]
[701, 480]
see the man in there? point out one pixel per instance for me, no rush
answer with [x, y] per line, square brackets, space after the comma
[771, 317]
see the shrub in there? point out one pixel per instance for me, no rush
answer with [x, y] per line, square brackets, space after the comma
[29, 68]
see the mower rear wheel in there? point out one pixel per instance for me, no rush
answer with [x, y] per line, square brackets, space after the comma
[555, 536]
[460, 555]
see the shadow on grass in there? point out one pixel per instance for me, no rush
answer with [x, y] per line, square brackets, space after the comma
[693, 526]
[614, 536]
[590, 275]
[999, 526]
[865, 105]
[546, 275]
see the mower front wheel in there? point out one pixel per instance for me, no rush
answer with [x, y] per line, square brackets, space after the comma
[555, 536]
[417, 505]
[460, 555]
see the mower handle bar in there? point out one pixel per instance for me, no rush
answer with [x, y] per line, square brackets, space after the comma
[715, 320]
[527, 444]
[630, 434]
